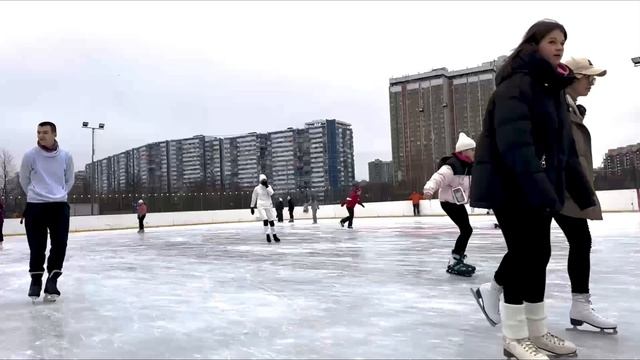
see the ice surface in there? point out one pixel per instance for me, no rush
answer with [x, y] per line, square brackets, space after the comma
[377, 291]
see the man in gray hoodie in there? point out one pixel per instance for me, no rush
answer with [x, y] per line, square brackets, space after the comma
[46, 176]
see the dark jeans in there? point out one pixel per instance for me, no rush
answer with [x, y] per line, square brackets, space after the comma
[1, 234]
[290, 213]
[459, 215]
[141, 221]
[523, 270]
[348, 218]
[416, 209]
[279, 215]
[579, 263]
[40, 218]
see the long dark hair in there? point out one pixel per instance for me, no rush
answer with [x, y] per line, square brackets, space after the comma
[530, 42]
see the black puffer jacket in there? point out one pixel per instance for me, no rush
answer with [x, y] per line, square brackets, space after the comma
[526, 154]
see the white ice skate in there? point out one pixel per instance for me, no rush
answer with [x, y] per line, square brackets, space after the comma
[554, 345]
[582, 312]
[488, 299]
[522, 349]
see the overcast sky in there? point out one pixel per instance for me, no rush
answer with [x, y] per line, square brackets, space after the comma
[162, 70]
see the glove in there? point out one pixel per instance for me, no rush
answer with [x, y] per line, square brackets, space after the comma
[253, 210]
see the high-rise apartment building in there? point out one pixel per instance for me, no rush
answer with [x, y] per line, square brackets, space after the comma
[427, 113]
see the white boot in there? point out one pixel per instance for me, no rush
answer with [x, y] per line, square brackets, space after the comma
[582, 312]
[516, 343]
[541, 336]
[488, 298]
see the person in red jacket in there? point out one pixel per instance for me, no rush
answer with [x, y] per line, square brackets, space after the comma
[415, 198]
[142, 213]
[351, 202]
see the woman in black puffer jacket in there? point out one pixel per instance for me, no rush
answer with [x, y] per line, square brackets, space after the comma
[525, 159]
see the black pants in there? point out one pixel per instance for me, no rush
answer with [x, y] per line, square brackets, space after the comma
[416, 209]
[290, 213]
[348, 218]
[141, 221]
[279, 215]
[40, 217]
[459, 215]
[1, 234]
[523, 270]
[579, 263]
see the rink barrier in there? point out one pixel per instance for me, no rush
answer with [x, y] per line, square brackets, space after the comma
[611, 201]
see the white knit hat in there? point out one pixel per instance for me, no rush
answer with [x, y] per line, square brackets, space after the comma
[263, 177]
[464, 143]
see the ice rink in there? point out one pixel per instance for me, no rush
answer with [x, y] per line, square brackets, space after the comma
[377, 291]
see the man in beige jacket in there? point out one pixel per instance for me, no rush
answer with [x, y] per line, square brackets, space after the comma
[571, 220]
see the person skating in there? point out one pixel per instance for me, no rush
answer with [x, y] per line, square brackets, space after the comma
[314, 205]
[46, 176]
[280, 210]
[291, 204]
[525, 160]
[571, 219]
[142, 214]
[261, 201]
[415, 198]
[452, 181]
[351, 202]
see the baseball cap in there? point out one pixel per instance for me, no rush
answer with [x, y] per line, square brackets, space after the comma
[584, 66]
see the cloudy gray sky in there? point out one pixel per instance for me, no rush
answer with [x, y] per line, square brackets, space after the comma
[162, 70]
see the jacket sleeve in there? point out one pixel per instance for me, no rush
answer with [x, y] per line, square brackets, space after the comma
[25, 172]
[270, 190]
[69, 178]
[443, 176]
[577, 183]
[514, 139]
[254, 198]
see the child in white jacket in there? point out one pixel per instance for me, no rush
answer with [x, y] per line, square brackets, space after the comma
[261, 200]
[453, 180]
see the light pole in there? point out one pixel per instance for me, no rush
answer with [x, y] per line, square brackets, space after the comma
[85, 125]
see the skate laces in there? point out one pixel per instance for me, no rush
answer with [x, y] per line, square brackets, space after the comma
[528, 346]
[555, 340]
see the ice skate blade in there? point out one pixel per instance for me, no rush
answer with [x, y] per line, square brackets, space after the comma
[50, 298]
[478, 296]
[459, 274]
[552, 355]
[596, 330]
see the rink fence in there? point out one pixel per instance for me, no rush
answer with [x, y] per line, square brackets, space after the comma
[611, 201]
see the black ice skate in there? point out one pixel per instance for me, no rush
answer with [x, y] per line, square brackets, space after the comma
[341, 223]
[269, 238]
[36, 286]
[276, 238]
[51, 292]
[457, 266]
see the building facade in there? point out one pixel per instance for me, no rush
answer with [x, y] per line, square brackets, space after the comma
[381, 171]
[429, 110]
[318, 156]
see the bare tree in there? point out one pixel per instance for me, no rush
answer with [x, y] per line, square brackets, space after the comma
[7, 169]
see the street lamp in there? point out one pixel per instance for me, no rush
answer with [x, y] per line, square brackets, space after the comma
[636, 61]
[85, 125]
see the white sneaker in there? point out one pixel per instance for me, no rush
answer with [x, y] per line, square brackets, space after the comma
[488, 298]
[554, 344]
[522, 349]
[582, 312]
